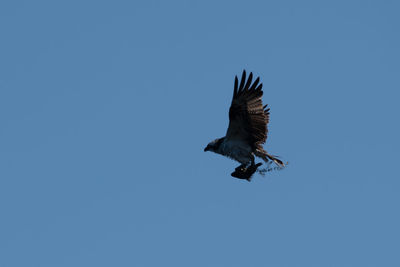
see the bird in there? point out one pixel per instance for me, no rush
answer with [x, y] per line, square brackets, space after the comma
[247, 130]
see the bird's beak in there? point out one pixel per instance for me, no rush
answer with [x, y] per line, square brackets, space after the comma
[206, 149]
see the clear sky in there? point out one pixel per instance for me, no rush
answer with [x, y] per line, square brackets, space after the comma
[106, 107]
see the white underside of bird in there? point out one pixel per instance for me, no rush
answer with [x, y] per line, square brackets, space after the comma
[237, 150]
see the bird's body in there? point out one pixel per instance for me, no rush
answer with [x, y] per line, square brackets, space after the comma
[235, 149]
[247, 130]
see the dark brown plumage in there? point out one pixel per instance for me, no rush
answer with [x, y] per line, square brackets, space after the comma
[248, 118]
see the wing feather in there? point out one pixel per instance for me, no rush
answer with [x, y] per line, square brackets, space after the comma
[248, 118]
[235, 90]
[242, 81]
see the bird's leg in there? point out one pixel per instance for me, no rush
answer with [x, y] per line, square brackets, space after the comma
[252, 162]
[249, 165]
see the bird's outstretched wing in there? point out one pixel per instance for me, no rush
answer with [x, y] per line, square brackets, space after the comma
[248, 118]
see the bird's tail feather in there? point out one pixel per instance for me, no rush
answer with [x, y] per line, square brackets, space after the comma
[267, 157]
[276, 160]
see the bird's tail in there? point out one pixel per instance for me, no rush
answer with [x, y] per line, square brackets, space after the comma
[267, 157]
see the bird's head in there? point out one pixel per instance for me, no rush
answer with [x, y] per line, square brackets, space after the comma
[213, 145]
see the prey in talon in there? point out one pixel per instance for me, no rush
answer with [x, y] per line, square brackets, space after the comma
[245, 173]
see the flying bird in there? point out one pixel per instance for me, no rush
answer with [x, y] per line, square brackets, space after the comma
[247, 130]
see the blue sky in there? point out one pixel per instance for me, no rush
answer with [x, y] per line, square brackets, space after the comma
[106, 106]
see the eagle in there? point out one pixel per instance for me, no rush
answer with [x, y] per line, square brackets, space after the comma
[247, 130]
